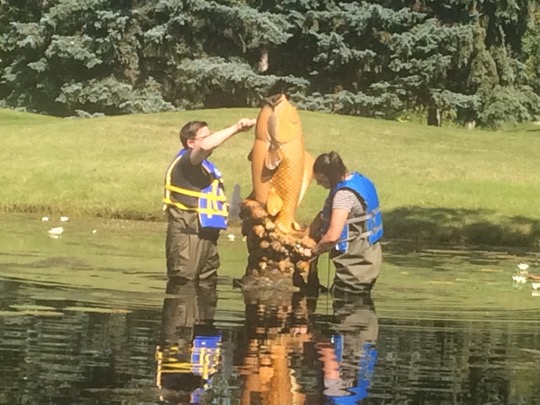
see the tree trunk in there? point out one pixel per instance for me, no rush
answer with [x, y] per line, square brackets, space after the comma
[434, 117]
[263, 60]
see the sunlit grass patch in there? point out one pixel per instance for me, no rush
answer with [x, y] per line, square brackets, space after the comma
[438, 184]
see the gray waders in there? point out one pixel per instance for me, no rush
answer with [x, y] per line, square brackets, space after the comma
[358, 268]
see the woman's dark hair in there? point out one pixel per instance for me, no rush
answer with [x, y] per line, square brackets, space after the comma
[189, 131]
[331, 165]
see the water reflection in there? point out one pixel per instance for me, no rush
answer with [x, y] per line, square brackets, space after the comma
[270, 352]
[349, 351]
[189, 351]
[55, 351]
[256, 350]
[294, 356]
[285, 354]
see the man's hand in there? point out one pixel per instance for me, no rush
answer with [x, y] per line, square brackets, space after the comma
[245, 123]
[203, 148]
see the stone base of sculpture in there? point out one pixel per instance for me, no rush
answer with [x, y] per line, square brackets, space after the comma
[276, 260]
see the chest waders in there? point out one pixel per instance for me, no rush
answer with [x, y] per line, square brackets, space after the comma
[192, 232]
[357, 256]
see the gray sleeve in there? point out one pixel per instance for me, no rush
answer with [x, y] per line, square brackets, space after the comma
[344, 199]
[349, 201]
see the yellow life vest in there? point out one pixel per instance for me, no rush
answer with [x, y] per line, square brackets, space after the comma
[211, 206]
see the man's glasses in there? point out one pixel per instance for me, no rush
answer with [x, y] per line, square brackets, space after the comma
[202, 137]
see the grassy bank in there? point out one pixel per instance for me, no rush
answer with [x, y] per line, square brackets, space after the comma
[436, 184]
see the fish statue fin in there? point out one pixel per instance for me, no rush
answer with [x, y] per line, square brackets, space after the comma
[274, 203]
[272, 159]
[250, 155]
[307, 176]
[282, 228]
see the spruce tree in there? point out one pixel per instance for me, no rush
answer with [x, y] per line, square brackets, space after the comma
[470, 61]
[69, 55]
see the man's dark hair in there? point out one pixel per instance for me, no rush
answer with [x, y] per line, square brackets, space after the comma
[189, 131]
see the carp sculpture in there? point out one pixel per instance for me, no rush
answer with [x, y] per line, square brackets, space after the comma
[281, 171]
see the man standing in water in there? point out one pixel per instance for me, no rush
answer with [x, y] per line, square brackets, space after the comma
[194, 202]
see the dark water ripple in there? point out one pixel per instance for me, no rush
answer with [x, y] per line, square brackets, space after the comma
[304, 351]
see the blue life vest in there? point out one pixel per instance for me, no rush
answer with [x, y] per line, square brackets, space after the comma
[211, 206]
[366, 191]
[205, 355]
[366, 367]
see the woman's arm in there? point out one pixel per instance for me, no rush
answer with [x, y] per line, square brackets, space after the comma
[313, 231]
[332, 235]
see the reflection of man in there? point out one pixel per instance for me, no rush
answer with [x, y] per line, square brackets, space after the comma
[349, 355]
[189, 350]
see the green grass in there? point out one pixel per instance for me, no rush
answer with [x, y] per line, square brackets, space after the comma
[437, 184]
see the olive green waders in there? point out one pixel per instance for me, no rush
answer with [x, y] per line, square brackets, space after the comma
[358, 268]
[191, 251]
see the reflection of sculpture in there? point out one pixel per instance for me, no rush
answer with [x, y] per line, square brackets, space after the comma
[273, 332]
[281, 171]
[189, 351]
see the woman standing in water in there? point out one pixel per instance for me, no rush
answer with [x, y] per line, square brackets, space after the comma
[349, 226]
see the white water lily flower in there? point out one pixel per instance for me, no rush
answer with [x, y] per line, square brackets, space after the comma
[94, 231]
[56, 231]
[231, 237]
[64, 219]
[44, 219]
[536, 285]
[519, 279]
[523, 266]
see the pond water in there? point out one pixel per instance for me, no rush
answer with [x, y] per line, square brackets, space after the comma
[88, 318]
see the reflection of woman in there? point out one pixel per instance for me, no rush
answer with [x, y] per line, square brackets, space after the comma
[349, 355]
[350, 225]
[189, 350]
